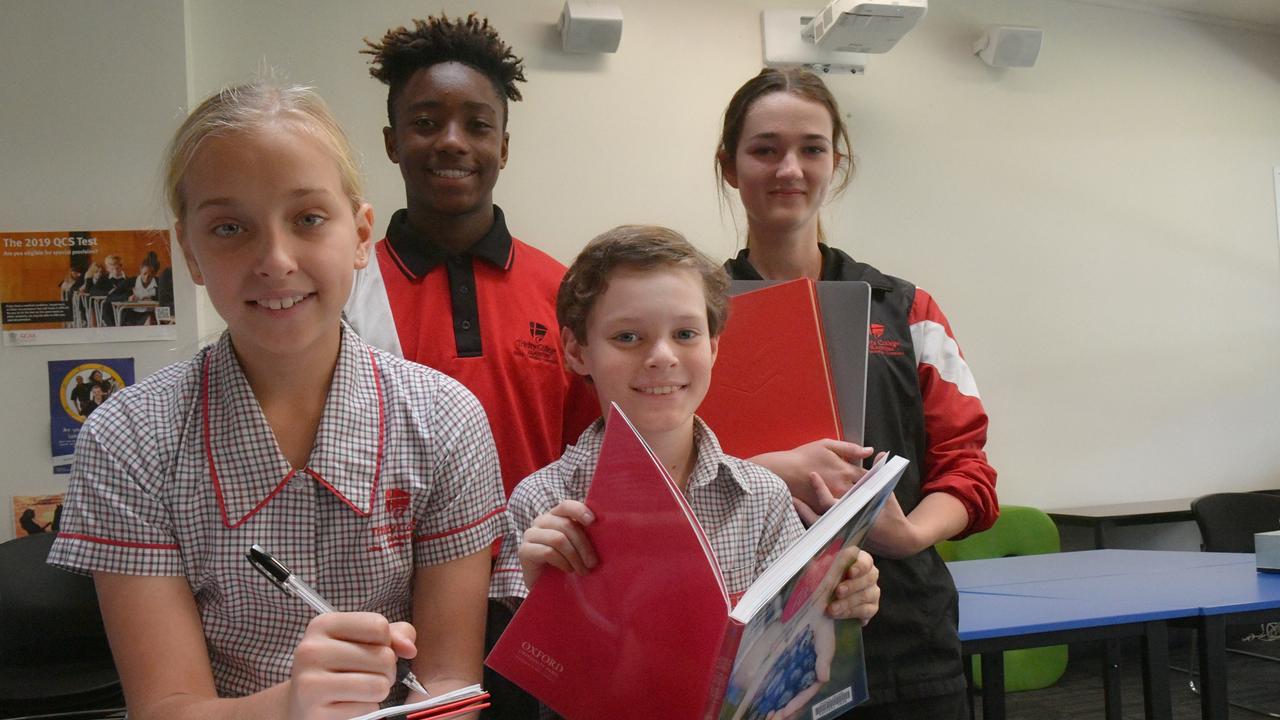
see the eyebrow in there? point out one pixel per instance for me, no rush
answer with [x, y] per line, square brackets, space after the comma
[638, 320]
[775, 136]
[434, 104]
[293, 194]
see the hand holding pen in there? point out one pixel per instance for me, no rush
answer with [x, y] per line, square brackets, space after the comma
[281, 577]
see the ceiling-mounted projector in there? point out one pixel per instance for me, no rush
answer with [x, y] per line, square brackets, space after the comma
[864, 27]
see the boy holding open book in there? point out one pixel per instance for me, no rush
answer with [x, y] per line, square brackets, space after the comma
[641, 311]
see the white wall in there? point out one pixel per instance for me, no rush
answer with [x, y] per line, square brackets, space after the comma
[1101, 229]
[90, 92]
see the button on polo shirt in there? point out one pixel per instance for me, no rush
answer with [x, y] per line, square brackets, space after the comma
[416, 257]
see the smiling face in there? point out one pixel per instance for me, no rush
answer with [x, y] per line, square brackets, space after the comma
[647, 347]
[784, 163]
[269, 231]
[448, 139]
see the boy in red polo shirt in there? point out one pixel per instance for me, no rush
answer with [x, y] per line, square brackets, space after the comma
[448, 253]
[448, 286]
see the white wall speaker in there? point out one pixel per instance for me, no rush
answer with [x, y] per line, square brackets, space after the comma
[588, 27]
[1010, 45]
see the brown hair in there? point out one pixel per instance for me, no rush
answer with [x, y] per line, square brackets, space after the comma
[472, 42]
[640, 247]
[799, 82]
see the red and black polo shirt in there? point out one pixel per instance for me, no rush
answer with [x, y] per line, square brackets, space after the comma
[485, 316]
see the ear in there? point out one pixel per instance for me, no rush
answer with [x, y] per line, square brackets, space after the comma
[389, 143]
[727, 169]
[715, 348]
[506, 139]
[573, 352]
[364, 234]
[192, 266]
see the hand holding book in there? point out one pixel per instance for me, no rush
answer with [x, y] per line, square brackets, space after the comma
[837, 463]
[857, 596]
[558, 538]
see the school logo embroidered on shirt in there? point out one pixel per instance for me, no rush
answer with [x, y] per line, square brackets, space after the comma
[537, 350]
[397, 502]
[399, 531]
[877, 344]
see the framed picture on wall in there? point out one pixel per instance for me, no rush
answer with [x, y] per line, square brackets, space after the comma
[76, 389]
[86, 286]
[35, 514]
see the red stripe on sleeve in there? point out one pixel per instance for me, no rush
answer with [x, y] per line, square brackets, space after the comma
[119, 543]
[455, 531]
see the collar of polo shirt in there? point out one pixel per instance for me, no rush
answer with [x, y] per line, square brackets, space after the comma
[416, 254]
[245, 464]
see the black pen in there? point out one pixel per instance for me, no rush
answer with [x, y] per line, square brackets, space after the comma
[281, 577]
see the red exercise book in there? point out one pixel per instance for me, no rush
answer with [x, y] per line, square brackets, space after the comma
[771, 388]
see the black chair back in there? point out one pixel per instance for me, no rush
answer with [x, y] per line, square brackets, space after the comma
[1228, 521]
[53, 648]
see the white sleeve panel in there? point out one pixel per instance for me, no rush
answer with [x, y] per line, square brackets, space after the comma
[936, 348]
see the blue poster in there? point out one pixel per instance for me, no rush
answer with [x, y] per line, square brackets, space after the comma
[76, 389]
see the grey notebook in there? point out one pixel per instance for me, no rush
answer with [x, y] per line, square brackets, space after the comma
[846, 315]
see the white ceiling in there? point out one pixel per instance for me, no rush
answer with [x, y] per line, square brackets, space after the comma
[1264, 14]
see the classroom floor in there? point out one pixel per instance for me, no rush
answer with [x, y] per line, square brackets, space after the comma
[1078, 695]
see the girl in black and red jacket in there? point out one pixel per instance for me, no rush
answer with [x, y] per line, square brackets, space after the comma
[785, 149]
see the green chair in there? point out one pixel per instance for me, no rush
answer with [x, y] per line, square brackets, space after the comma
[1019, 531]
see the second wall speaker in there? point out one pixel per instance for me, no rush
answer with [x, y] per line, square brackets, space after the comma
[1010, 45]
[590, 27]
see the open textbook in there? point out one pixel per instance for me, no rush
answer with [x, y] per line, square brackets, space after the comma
[651, 631]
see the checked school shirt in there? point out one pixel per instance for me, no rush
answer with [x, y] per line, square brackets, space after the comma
[179, 474]
[744, 509]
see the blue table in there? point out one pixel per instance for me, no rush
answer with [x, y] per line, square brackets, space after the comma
[1038, 600]
[1005, 574]
[991, 623]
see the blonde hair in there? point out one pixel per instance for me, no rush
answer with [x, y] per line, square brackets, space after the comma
[254, 107]
[638, 247]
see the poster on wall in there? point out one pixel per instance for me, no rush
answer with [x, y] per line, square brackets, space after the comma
[86, 286]
[35, 514]
[76, 389]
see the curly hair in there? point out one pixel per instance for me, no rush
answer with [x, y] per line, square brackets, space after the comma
[472, 42]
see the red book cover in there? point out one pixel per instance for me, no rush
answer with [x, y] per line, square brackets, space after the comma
[772, 388]
[650, 632]
[638, 636]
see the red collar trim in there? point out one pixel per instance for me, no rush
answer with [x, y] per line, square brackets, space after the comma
[213, 468]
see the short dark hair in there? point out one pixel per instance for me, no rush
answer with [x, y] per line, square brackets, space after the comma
[640, 247]
[472, 42]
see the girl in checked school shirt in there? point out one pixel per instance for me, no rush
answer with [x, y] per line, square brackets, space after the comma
[374, 479]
